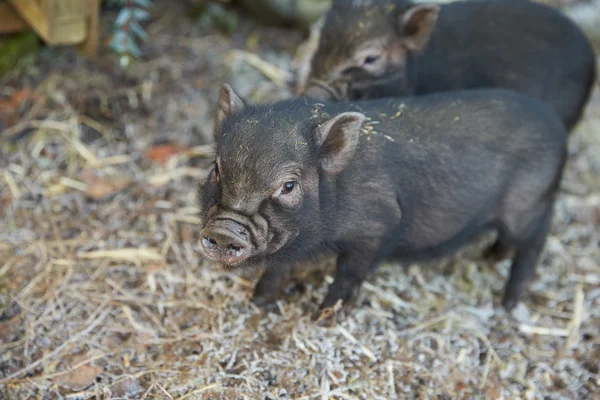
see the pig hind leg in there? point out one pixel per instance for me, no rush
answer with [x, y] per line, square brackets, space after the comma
[528, 243]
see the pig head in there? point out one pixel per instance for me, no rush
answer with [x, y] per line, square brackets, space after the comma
[261, 198]
[365, 45]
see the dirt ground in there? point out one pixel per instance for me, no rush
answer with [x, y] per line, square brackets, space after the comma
[102, 294]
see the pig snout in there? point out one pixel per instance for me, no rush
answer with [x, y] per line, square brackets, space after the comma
[320, 90]
[225, 241]
[318, 93]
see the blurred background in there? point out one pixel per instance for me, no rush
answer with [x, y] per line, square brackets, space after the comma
[106, 118]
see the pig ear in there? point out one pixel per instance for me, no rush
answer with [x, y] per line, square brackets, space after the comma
[416, 24]
[338, 139]
[229, 103]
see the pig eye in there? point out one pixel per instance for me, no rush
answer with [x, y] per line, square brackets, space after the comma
[288, 187]
[371, 59]
[214, 176]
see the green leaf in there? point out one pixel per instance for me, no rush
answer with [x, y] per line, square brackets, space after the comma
[137, 30]
[140, 14]
[119, 42]
[143, 3]
[133, 48]
[124, 16]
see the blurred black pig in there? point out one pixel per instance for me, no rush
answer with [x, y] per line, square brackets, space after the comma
[388, 48]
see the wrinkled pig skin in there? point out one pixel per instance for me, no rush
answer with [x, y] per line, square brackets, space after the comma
[391, 179]
[389, 48]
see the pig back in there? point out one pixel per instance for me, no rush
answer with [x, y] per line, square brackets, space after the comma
[450, 159]
[515, 44]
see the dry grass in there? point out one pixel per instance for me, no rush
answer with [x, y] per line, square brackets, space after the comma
[103, 296]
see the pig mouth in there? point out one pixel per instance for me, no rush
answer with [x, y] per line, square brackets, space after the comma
[322, 91]
[361, 89]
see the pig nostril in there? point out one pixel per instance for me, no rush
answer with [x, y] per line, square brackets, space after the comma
[234, 248]
[209, 241]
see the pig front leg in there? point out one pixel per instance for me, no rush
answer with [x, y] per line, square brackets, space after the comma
[353, 266]
[271, 286]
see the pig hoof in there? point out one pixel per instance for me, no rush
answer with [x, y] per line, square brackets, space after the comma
[512, 297]
[509, 303]
[514, 292]
[266, 302]
[340, 296]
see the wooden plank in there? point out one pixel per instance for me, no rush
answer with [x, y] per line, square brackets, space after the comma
[34, 15]
[66, 20]
[10, 21]
[57, 22]
[90, 46]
